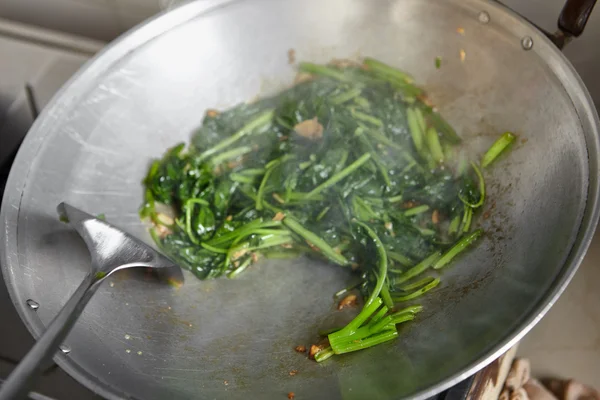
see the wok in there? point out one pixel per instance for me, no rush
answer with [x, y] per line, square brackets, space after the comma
[234, 339]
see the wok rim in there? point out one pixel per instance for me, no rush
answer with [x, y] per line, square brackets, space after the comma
[165, 21]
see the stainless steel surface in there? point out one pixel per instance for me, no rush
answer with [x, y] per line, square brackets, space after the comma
[149, 91]
[111, 250]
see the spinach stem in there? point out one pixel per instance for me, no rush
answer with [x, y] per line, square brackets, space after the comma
[497, 148]
[457, 249]
[260, 121]
[314, 240]
[340, 175]
[189, 207]
[419, 292]
[415, 129]
[323, 70]
[416, 210]
[324, 354]
[481, 189]
[419, 268]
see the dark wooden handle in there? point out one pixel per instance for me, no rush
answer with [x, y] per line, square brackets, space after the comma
[574, 16]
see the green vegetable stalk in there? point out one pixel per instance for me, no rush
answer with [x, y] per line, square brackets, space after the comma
[351, 167]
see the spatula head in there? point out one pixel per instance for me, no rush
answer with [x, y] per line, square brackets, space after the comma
[112, 249]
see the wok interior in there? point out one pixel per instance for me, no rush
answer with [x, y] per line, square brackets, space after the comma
[153, 342]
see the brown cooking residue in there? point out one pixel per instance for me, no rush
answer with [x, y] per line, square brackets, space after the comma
[291, 395]
[348, 301]
[291, 56]
[310, 129]
[486, 214]
[293, 372]
[300, 349]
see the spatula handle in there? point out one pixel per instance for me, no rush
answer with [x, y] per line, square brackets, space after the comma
[20, 380]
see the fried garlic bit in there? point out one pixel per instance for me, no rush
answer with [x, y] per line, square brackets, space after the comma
[291, 56]
[300, 349]
[314, 349]
[435, 217]
[211, 113]
[279, 216]
[463, 55]
[348, 301]
[310, 129]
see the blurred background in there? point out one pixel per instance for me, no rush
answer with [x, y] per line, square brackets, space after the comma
[44, 42]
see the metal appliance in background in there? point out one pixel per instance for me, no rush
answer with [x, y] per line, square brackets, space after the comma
[234, 338]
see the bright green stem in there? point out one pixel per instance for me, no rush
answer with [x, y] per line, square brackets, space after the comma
[315, 240]
[467, 218]
[243, 230]
[457, 248]
[442, 126]
[454, 224]
[419, 268]
[340, 175]
[419, 292]
[346, 96]
[416, 285]
[240, 269]
[383, 262]
[389, 71]
[394, 199]
[378, 162]
[322, 213]
[189, 207]
[367, 342]
[213, 248]
[416, 210]
[481, 189]
[323, 70]
[263, 185]
[324, 354]
[377, 317]
[366, 118]
[233, 153]
[386, 297]
[415, 129]
[433, 142]
[261, 120]
[497, 148]
[353, 325]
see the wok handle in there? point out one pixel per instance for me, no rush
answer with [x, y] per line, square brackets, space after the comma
[18, 383]
[571, 22]
[574, 16]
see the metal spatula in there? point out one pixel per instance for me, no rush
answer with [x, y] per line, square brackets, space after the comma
[111, 250]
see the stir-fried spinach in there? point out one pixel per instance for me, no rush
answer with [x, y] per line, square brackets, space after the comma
[350, 166]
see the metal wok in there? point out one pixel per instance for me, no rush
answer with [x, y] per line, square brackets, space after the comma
[234, 339]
